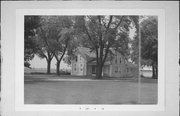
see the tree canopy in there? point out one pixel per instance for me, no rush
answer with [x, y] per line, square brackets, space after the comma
[149, 38]
[30, 48]
[54, 36]
[149, 43]
[104, 34]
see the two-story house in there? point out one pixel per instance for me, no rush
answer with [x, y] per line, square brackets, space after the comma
[85, 64]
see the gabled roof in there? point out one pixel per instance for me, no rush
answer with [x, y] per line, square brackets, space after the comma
[86, 53]
[90, 56]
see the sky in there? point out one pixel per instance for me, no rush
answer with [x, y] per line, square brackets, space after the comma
[41, 63]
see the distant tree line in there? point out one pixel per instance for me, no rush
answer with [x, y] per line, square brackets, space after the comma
[58, 37]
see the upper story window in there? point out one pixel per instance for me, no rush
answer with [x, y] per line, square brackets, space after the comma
[120, 60]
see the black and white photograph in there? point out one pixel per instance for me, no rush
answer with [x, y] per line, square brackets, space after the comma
[90, 59]
[94, 58]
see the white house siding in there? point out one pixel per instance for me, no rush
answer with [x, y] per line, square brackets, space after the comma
[118, 65]
[110, 70]
[81, 64]
[74, 68]
[84, 67]
[106, 70]
[79, 67]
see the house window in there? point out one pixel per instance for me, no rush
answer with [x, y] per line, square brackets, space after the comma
[81, 69]
[74, 69]
[120, 60]
[127, 70]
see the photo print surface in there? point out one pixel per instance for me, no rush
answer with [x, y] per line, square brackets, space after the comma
[91, 59]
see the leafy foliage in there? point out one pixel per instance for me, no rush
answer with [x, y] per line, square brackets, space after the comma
[149, 43]
[104, 34]
[149, 34]
[56, 34]
[31, 24]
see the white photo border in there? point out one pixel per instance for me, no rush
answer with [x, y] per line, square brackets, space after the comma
[19, 64]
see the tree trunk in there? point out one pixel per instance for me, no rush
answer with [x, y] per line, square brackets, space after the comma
[154, 72]
[48, 66]
[58, 63]
[57, 68]
[99, 71]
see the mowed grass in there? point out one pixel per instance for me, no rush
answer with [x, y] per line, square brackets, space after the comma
[89, 92]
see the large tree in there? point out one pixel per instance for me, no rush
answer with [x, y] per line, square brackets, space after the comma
[62, 34]
[134, 55]
[62, 43]
[31, 23]
[104, 34]
[149, 43]
[57, 36]
[45, 42]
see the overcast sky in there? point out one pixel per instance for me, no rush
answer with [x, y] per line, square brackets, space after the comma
[41, 63]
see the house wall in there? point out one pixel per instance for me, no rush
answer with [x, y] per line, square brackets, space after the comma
[79, 66]
[106, 70]
[129, 71]
[117, 67]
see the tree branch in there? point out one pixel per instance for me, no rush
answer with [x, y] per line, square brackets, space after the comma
[106, 53]
[110, 20]
[97, 56]
[119, 23]
[95, 45]
[45, 56]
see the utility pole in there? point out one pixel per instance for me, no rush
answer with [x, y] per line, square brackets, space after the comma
[139, 65]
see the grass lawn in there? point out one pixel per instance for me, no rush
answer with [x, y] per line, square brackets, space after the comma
[88, 92]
